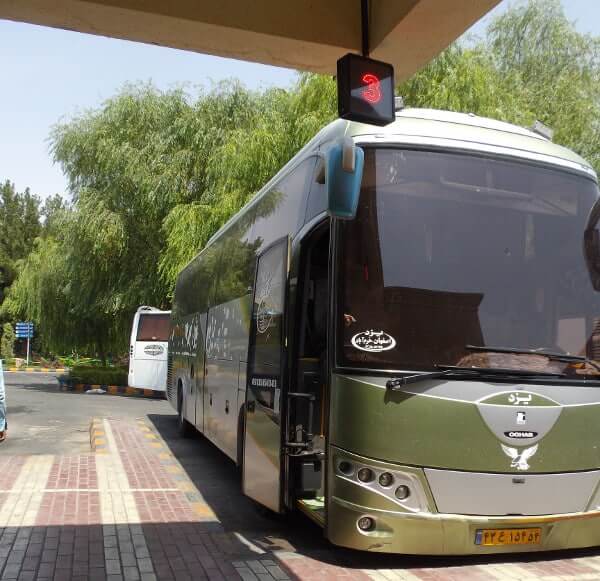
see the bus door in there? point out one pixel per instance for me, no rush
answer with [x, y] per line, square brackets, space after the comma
[262, 438]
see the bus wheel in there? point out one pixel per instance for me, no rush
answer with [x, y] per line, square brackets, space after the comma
[184, 428]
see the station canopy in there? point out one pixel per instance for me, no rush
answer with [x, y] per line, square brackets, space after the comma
[308, 35]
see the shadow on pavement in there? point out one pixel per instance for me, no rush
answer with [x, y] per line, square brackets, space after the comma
[163, 551]
[217, 479]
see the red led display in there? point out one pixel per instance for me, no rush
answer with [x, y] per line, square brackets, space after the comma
[365, 90]
[372, 92]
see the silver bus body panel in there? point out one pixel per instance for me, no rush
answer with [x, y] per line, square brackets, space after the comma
[483, 494]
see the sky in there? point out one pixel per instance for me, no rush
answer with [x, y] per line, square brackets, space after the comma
[49, 75]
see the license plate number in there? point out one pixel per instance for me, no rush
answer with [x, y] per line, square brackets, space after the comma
[495, 537]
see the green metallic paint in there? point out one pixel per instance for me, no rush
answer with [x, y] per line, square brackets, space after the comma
[436, 432]
[422, 534]
[430, 533]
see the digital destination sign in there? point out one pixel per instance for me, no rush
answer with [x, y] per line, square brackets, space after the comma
[365, 90]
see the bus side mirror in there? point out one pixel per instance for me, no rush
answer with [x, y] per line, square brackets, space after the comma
[344, 164]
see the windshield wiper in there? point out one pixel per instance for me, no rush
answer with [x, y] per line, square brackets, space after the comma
[552, 355]
[467, 372]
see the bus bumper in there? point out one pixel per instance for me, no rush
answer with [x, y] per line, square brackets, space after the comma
[445, 534]
[413, 526]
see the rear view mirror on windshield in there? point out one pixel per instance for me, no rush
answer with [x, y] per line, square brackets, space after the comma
[343, 175]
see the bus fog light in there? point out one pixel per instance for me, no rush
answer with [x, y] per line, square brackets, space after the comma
[365, 475]
[386, 479]
[346, 468]
[402, 492]
[366, 523]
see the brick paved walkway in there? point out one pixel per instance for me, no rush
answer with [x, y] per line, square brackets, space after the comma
[130, 512]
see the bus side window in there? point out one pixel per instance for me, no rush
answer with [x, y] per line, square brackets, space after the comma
[317, 196]
[281, 211]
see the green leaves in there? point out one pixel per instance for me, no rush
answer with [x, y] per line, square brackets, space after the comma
[533, 64]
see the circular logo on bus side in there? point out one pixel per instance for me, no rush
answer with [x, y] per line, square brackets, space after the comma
[373, 341]
[264, 316]
[154, 350]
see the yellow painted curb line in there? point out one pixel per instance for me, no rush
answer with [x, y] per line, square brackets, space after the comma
[98, 441]
[36, 370]
[172, 466]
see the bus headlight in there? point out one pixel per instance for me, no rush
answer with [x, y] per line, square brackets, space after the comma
[346, 468]
[401, 485]
[365, 475]
[365, 523]
[402, 492]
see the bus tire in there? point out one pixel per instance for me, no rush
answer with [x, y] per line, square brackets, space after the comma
[184, 428]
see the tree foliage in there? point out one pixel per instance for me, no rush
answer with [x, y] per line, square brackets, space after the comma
[153, 174]
[531, 65]
[7, 343]
[19, 226]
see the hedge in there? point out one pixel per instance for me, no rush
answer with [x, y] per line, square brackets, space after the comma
[93, 375]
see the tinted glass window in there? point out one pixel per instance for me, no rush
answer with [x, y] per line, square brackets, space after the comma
[453, 251]
[281, 211]
[195, 288]
[317, 198]
[237, 259]
[267, 315]
[153, 328]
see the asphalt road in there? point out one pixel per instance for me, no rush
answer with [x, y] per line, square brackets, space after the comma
[44, 420]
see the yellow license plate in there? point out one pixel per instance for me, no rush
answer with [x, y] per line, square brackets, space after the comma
[495, 537]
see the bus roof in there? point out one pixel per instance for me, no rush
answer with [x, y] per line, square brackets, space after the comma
[146, 310]
[447, 129]
[433, 128]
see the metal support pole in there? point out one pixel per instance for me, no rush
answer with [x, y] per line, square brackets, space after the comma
[364, 23]
[27, 347]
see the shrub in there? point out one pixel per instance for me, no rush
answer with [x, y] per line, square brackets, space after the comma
[7, 344]
[94, 375]
[74, 360]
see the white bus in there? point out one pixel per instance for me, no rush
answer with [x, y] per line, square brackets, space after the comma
[148, 349]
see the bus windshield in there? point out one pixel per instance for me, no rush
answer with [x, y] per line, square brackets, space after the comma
[464, 260]
[153, 328]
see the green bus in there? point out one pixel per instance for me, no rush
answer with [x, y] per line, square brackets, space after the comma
[398, 336]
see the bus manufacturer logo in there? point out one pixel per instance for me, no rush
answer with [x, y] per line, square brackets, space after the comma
[519, 458]
[520, 435]
[153, 350]
[373, 341]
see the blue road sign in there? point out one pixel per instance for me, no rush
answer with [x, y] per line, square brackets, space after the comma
[24, 330]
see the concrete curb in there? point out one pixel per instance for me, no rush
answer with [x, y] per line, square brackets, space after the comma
[113, 390]
[36, 370]
[98, 441]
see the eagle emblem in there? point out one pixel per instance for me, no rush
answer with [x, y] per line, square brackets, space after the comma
[519, 459]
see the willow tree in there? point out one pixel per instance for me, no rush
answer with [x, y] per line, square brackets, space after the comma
[153, 175]
[532, 64]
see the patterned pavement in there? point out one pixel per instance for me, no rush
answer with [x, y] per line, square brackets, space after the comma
[133, 511]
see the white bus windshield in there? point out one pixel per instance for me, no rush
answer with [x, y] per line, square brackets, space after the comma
[153, 328]
[454, 251]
